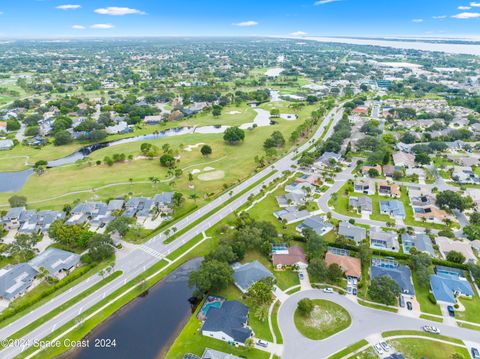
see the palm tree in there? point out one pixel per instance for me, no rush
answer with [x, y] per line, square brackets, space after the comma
[194, 196]
[154, 181]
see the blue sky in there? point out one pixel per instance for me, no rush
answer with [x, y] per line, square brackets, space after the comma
[79, 18]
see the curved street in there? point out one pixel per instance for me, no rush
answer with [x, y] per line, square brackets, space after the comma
[366, 322]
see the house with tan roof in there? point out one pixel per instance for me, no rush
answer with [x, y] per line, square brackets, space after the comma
[404, 159]
[431, 214]
[352, 267]
[367, 168]
[3, 126]
[294, 258]
[388, 189]
[447, 245]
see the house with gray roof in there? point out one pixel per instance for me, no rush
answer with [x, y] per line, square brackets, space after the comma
[215, 354]
[15, 280]
[139, 207]
[88, 212]
[291, 215]
[362, 204]
[317, 224]
[6, 145]
[115, 205]
[327, 158]
[228, 323]
[12, 219]
[401, 274]
[350, 231]
[386, 241]
[246, 275]
[393, 208]
[35, 222]
[164, 202]
[55, 261]
[420, 241]
[290, 199]
[447, 285]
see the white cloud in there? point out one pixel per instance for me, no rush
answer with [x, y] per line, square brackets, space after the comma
[102, 26]
[417, 20]
[323, 2]
[439, 17]
[464, 8]
[475, 4]
[246, 23]
[78, 27]
[118, 11]
[467, 15]
[298, 33]
[68, 7]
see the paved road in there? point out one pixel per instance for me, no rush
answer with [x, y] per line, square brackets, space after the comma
[365, 322]
[155, 249]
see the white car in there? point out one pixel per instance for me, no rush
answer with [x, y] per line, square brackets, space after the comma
[327, 290]
[262, 343]
[431, 329]
[378, 348]
[385, 346]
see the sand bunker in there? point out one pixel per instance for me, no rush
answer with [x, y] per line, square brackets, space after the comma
[288, 116]
[211, 176]
[208, 169]
[195, 171]
[189, 148]
[233, 112]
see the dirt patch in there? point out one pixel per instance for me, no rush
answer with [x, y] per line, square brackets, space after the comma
[211, 176]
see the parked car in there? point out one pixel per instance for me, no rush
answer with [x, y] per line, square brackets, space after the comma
[385, 346]
[475, 353]
[327, 290]
[300, 275]
[378, 348]
[262, 343]
[431, 329]
[354, 292]
[451, 311]
[409, 306]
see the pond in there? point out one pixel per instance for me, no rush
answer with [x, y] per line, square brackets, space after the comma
[146, 327]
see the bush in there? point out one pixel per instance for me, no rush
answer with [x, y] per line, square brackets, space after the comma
[431, 298]
[305, 306]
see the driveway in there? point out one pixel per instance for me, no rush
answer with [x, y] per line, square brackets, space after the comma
[365, 322]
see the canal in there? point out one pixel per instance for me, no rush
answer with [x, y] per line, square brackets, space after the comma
[146, 327]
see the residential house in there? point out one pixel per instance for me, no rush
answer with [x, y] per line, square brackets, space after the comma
[351, 267]
[360, 110]
[476, 245]
[447, 245]
[388, 170]
[447, 285]
[300, 188]
[363, 204]
[291, 215]
[350, 231]
[164, 202]
[34, 222]
[367, 168]
[420, 241]
[15, 280]
[86, 212]
[365, 186]
[12, 219]
[401, 274]
[389, 189]
[290, 199]
[404, 159]
[138, 207]
[246, 275]
[327, 159]
[228, 323]
[56, 261]
[212, 354]
[6, 145]
[465, 175]
[152, 120]
[431, 213]
[393, 208]
[317, 224]
[386, 241]
[3, 126]
[295, 257]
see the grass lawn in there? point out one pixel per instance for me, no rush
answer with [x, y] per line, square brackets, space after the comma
[342, 353]
[393, 333]
[377, 306]
[421, 294]
[326, 319]
[236, 162]
[368, 353]
[431, 318]
[340, 204]
[415, 348]
[276, 328]
[472, 310]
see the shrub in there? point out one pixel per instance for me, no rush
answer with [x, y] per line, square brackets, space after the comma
[431, 298]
